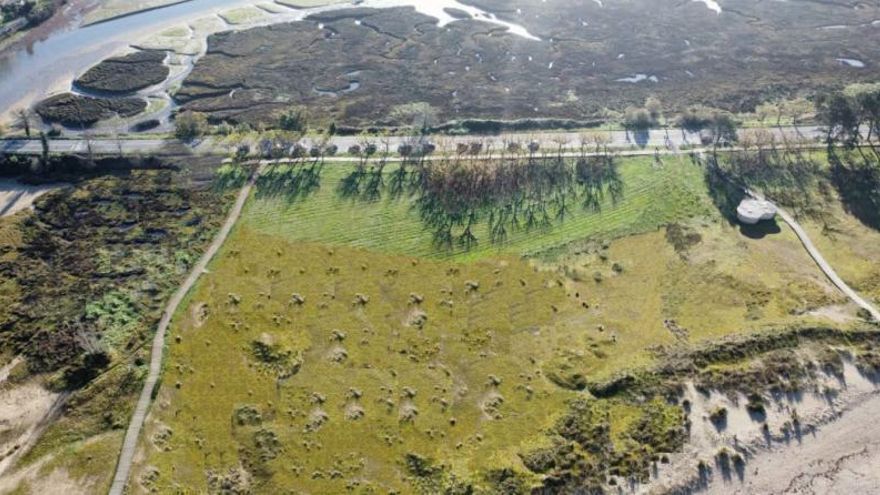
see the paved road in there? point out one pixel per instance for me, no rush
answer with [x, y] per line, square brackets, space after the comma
[823, 264]
[655, 138]
[123, 467]
[99, 146]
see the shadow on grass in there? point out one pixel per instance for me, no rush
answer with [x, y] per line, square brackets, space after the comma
[725, 194]
[453, 197]
[857, 181]
[290, 182]
[760, 230]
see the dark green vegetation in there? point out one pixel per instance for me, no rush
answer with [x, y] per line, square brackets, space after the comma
[83, 111]
[125, 74]
[86, 280]
[471, 69]
[33, 12]
[780, 361]
[113, 78]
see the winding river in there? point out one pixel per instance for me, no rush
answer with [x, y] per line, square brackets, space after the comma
[49, 66]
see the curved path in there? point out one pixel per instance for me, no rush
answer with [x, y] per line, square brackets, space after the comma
[123, 467]
[820, 260]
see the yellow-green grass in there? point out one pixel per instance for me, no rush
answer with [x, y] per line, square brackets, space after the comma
[504, 328]
[851, 247]
[653, 196]
[243, 15]
[10, 236]
[83, 466]
[10, 239]
[526, 323]
[727, 284]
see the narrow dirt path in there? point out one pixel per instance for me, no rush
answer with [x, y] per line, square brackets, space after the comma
[5, 370]
[129, 445]
[820, 260]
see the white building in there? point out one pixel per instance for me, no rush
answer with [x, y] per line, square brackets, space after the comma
[751, 211]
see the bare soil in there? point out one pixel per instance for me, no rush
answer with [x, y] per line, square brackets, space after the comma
[22, 410]
[842, 457]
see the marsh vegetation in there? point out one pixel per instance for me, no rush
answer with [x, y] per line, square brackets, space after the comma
[473, 69]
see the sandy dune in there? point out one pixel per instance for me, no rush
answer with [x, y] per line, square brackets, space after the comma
[835, 448]
[841, 457]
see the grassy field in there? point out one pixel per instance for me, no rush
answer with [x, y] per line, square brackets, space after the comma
[331, 348]
[653, 196]
[851, 247]
[362, 369]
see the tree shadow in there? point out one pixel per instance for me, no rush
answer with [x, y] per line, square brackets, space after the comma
[291, 182]
[720, 423]
[724, 466]
[858, 185]
[703, 475]
[739, 467]
[641, 137]
[725, 194]
[757, 415]
[453, 197]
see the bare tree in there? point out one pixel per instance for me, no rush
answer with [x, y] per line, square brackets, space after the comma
[24, 118]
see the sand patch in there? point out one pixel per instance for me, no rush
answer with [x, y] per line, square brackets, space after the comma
[22, 409]
[15, 196]
[813, 443]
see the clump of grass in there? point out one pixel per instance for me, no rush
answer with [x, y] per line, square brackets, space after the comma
[247, 415]
[718, 416]
[756, 404]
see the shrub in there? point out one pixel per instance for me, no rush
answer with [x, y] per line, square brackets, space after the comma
[295, 119]
[755, 404]
[190, 125]
[718, 416]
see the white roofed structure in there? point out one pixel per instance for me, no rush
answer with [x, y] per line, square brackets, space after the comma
[751, 211]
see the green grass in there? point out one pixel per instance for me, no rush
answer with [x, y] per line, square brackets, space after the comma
[653, 196]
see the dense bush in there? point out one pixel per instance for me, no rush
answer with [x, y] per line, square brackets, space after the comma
[94, 264]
